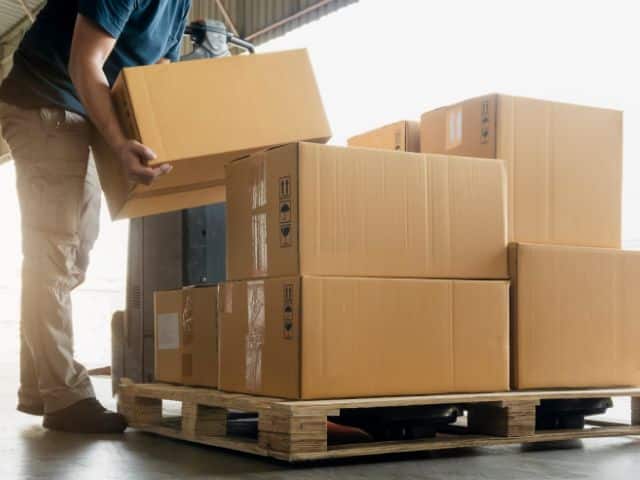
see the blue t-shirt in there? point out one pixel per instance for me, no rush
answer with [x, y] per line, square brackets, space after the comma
[146, 31]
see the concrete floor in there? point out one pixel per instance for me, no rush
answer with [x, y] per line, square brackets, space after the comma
[30, 452]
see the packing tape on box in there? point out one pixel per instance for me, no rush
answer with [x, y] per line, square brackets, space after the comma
[259, 243]
[254, 341]
[258, 186]
[454, 127]
[187, 320]
[225, 297]
[258, 197]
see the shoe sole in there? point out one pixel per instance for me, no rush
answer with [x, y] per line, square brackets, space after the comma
[35, 411]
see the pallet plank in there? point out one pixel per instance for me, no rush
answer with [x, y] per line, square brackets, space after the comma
[503, 419]
[200, 420]
[229, 443]
[416, 400]
[470, 441]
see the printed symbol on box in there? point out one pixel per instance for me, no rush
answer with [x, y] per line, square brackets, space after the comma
[285, 211]
[484, 122]
[285, 188]
[285, 235]
[287, 330]
[287, 294]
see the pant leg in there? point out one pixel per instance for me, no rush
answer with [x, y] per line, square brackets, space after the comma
[89, 222]
[51, 152]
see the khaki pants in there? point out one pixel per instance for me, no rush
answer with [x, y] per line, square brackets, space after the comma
[59, 196]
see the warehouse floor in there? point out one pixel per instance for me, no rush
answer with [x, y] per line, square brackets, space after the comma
[30, 452]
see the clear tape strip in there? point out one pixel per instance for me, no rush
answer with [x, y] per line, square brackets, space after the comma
[254, 341]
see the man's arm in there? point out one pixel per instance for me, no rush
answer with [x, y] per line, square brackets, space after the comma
[90, 48]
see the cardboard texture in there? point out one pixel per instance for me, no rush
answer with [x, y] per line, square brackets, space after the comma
[186, 332]
[403, 136]
[574, 317]
[329, 337]
[564, 163]
[198, 115]
[321, 210]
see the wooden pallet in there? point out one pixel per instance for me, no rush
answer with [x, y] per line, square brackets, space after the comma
[296, 431]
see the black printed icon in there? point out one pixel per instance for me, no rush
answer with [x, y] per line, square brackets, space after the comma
[285, 211]
[287, 326]
[288, 294]
[285, 235]
[285, 188]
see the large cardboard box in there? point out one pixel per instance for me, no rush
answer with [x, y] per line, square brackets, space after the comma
[186, 336]
[198, 115]
[575, 317]
[321, 210]
[403, 136]
[330, 337]
[564, 163]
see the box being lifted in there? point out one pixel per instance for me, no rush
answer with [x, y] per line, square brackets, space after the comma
[198, 115]
[564, 163]
[308, 209]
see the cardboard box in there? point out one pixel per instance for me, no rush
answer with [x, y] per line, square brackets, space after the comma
[564, 163]
[198, 115]
[329, 337]
[186, 333]
[308, 209]
[401, 136]
[575, 314]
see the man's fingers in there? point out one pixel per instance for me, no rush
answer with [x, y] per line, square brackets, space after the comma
[144, 152]
[165, 168]
[147, 175]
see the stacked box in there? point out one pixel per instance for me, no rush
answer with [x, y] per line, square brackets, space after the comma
[573, 312]
[186, 336]
[403, 136]
[360, 272]
[574, 317]
[564, 163]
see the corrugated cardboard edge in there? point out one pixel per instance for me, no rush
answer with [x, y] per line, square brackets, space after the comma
[131, 121]
[142, 105]
[300, 389]
[513, 250]
[412, 136]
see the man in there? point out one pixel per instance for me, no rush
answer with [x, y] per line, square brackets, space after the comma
[56, 94]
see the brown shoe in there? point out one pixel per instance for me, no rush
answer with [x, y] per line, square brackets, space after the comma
[37, 410]
[85, 416]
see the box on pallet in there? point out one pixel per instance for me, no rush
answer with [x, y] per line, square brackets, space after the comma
[308, 209]
[403, 136]
[574, 319]
[329, 337]
[186, 336]
[564, 163]
[199, 115]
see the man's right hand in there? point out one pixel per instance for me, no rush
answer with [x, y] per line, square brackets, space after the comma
[135, 158]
